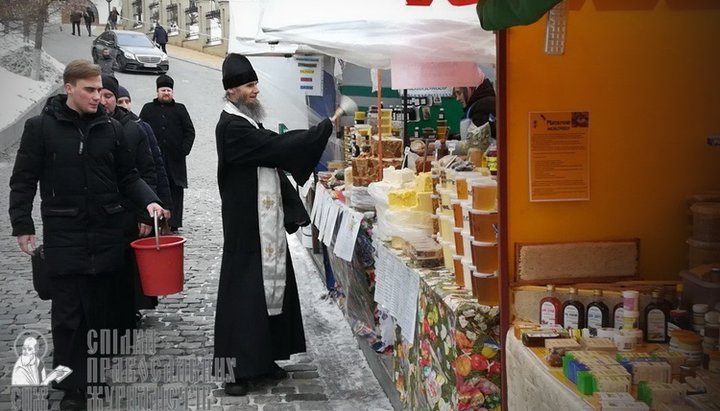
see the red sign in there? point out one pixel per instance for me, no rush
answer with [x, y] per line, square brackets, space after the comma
[429, 2]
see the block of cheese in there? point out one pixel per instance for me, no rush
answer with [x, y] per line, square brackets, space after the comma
[423, 182]
[399, 199]
[392, 147]
[424, 203]
[402, 178]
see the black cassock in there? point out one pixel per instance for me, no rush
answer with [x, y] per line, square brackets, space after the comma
[243, 329]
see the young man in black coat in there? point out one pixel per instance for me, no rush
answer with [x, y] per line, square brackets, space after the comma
[175, 134]
[77, 154]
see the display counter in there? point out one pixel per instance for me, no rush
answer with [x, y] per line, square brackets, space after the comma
[532, 385]
[453, 360]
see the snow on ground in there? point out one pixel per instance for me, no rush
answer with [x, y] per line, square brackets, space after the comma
[19, 92]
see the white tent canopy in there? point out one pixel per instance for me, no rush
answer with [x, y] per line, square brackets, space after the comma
[368, 33]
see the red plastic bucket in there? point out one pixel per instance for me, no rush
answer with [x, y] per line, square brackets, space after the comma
[161, 270]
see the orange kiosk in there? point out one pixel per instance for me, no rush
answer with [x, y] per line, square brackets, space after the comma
[645, 73]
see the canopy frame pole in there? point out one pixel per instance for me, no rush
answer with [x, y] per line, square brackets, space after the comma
[379, 124]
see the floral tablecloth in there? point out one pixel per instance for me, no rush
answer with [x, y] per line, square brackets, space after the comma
[455, 361]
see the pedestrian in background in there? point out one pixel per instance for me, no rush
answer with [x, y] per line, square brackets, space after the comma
[106, 63]
[113, 18]
[160, 36]
[175, 134]
[75, 18]
[77, 154]
[258, 319]
[89, 17]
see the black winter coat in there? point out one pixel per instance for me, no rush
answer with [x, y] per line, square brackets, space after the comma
[481, 104]
[85, 172]
[175, 134]
[160, 35]
[136, 144]
[163, 186]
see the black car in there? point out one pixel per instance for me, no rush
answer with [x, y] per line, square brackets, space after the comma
[132, 51]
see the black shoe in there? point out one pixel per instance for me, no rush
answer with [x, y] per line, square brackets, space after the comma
[74, 400]
[277, 373]
[237, 389]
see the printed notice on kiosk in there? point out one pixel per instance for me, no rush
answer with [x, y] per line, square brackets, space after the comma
[559, 156]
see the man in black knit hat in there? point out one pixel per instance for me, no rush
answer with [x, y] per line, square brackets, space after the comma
[258, 319]
[175, 134]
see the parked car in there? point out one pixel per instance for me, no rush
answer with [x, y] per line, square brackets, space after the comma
[132, 51]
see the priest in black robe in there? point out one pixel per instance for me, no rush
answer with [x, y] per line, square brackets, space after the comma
[258, 319]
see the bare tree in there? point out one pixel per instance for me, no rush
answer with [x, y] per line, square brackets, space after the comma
[23, 15]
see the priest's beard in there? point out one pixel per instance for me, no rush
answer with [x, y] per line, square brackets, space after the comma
[255, 110]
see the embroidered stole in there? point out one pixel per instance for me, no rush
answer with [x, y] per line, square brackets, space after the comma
[273, 243]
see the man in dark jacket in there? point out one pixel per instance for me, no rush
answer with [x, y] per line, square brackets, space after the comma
[77, 154]
[481, 105]
[163, 189]
[160, 36]
[75, 18]
[175, 133]
[89, 17]
[258, 319]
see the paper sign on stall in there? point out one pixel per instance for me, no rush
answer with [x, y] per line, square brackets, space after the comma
[326, 206]
[559, 156]
[396, 288]
[316, 202]
[330, 226]
[347, 234]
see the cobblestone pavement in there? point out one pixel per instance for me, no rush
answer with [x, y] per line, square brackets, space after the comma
[332, 375]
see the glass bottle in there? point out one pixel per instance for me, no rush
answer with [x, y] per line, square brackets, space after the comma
[655, 316]
[491, 158]
[598, 314]
[573, 312]
[550, 308]
[618, 316]
[679, 316]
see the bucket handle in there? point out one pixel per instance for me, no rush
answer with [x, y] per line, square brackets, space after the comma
[157, 231]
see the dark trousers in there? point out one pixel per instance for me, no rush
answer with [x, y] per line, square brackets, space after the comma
[88, 26]
[176, 193]
[76, 24]
[162, 46]
[79, 304]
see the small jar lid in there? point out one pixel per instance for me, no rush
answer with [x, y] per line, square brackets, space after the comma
[700, 308]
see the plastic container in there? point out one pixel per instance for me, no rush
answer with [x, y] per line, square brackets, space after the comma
[447, 253]
[160, 267]
[467, 245]
[697, 291]
[624, 341]
[706, 222]
[484, 225]
[485, 289]
[458, 268]
[702, 252]
[466, 206]
[484, 194]
[631, 300]
[459, 246]
[485, 257]
[689, 344]
[468, 269]
[631, 319]
[457, 213]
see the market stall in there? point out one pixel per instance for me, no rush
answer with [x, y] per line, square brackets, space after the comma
[584, 132]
